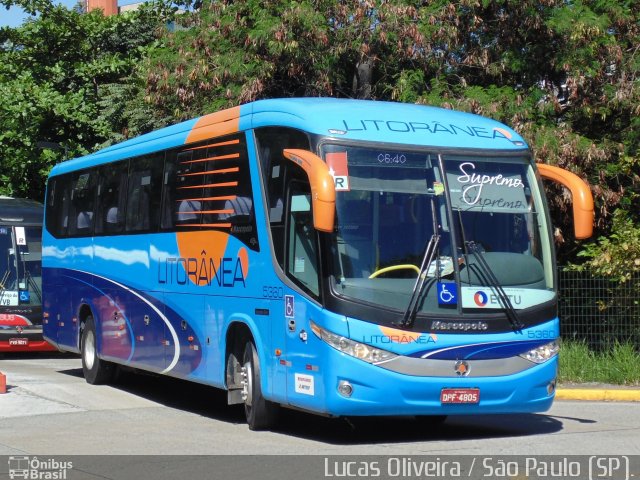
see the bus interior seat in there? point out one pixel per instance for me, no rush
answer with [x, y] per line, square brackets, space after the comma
[84, 220]
[112, 215]
[187, 208]
[241, 208]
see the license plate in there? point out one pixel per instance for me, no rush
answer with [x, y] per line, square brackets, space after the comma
[460, 395]
[19, 342]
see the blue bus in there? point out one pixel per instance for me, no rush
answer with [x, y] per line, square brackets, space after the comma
[343, 257]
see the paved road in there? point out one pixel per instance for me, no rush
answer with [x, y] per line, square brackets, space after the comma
[50, 409]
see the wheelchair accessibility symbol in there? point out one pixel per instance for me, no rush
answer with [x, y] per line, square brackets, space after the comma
[289, 306]
[447, 294]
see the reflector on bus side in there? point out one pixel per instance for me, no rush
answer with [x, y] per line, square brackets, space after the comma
[583, 213]
[323, 192]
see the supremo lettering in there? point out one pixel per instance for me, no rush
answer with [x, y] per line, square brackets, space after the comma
[472, 191]
[223, 272]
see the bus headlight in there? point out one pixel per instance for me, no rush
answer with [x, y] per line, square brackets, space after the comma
[355, 349]
[542, 353]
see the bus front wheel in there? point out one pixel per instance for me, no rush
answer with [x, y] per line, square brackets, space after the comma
[261, 413]
[96, 371]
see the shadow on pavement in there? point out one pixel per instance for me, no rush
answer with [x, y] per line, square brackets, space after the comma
[212, 403]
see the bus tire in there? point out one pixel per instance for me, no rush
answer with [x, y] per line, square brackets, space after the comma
[96, 371]
[261, 413]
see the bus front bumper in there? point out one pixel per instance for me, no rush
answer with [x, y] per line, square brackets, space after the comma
[376, 391]
[27, 340]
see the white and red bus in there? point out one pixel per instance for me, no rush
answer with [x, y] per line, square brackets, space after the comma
[21, 276]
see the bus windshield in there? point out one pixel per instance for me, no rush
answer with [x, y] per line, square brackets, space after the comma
[390, 204]
[20, 267]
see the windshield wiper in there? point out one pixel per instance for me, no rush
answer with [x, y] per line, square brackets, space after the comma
[430, 252]
[421, 281]
[495, 285]
[34, 285]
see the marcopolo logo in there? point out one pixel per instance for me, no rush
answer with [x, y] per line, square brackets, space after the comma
[480, 298]
[460, 326]
[37, 469]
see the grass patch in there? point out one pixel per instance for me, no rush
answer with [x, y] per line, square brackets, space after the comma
[618, 365]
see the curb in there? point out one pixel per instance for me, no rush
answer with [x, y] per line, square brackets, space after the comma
[599, 395]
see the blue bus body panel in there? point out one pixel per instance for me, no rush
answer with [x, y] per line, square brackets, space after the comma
[152, 311]
[378, 391]
[159, 140]
[387, 122]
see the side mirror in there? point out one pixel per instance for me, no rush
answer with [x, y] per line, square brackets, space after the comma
[323, 192]
[582, 198]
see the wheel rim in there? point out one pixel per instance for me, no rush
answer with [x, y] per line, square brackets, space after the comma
[247, 389]
[89, 350]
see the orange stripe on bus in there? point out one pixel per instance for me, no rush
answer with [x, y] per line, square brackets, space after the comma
[221, 170]
[212, 185]
[219, 157]
[213, 145]
[223, 197]
[219, 225]
[215, 125]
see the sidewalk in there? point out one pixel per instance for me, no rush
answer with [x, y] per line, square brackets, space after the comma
[598, 392]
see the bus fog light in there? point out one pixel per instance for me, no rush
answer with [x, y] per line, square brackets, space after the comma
[551, 388]
[542, 353]
[345, 388]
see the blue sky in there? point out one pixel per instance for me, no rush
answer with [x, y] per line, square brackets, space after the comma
[14, 17]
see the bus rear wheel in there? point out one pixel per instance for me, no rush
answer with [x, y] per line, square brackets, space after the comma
[261, 413]
[96, 371]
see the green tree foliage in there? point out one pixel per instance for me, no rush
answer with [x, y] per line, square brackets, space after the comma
[617, 255]
[54, 71]
[233, 52]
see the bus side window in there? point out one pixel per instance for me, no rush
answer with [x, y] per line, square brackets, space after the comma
[187, 177]
[81, 209]
[168, 187]
[271, 141]
[52, 185]
[111, 198]
[275, 201]
[58, 196]
[302, 245]
[207, 186]
[143, 193]
[228, 196]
